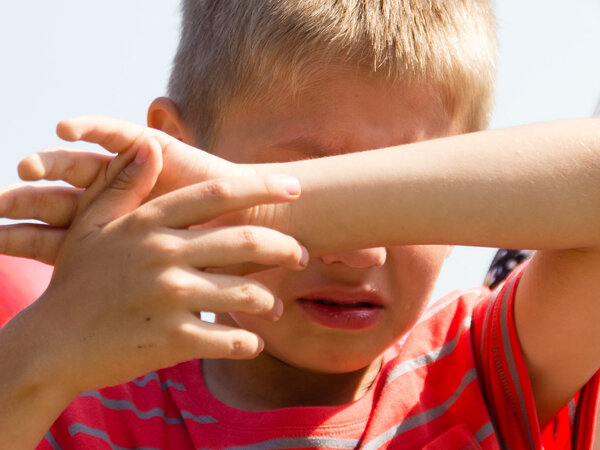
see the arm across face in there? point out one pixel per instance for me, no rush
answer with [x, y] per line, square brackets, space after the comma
[541, 176]
[445, 179]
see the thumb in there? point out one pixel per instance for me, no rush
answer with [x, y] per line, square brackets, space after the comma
[129, 188]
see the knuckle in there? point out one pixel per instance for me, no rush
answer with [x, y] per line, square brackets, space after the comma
[133, 223]
[181, 341]
[218, 189]
[7, 240]
[178, 287]
[167, 247]
[38, 245]
[175, 337]
[159, 246]
[13, 203]
[146, 216]
[39, 204]
[249, 239]
[162, 283]
[170, 284]
[239, 346]
[250, 296]
[68, 170]
[124, 180]
[111, 137]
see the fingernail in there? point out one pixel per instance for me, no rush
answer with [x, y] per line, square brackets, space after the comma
[304, 257]
[142, 154]
[278, 310]
[289, 184]
[261, 345]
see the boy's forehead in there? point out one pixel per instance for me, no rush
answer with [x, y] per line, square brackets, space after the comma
[340, 113]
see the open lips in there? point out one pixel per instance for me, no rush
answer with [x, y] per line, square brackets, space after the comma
[343, 311]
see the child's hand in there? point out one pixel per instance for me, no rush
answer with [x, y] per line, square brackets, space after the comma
[129, 284]
[89, 173]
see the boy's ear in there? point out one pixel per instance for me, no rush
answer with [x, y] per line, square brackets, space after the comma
[163, 114]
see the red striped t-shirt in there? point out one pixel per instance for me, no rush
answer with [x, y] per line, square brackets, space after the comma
[457, 380]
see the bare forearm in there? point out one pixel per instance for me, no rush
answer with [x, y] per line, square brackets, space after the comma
[29, 402]
[533, 186]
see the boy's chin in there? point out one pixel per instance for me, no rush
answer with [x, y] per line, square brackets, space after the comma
[326, 364]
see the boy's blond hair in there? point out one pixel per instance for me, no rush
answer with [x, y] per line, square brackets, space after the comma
[236, 50]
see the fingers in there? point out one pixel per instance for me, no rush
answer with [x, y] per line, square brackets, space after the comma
[77, 168]
[54, 205]
[116, 136]
[239, 270]
[203, 202]
[184, 164]
[211, 340]
[129, 188]
[32, 241]
[227, 246]
[199, 291]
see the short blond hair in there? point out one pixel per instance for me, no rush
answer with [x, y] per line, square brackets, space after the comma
[237, 49]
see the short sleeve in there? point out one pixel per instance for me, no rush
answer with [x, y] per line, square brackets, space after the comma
[506, 384]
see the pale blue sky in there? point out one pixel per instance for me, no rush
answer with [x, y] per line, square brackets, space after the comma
[69, 57]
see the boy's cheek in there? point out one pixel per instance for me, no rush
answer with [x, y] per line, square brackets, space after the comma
[407, 278]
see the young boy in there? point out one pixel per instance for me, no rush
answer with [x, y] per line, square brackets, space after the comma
[340, 350]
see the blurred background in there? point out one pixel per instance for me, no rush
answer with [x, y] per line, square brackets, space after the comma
[67, 57]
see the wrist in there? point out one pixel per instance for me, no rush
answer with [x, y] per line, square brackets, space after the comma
[31, 398]
[31, 363]
[278, 216]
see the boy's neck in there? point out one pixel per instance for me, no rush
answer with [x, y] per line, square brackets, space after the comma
[266, 383]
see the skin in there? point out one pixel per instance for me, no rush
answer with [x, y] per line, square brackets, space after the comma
[110, 332]
[361, 114]
[358, 114]
[556, 306]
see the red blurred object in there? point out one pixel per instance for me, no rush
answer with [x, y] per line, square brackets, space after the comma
[21, 282]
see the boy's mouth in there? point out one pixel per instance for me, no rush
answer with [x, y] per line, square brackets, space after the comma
[342, 305]
[347, 312]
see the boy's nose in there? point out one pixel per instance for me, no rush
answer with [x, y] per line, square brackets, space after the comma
[360, 259]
